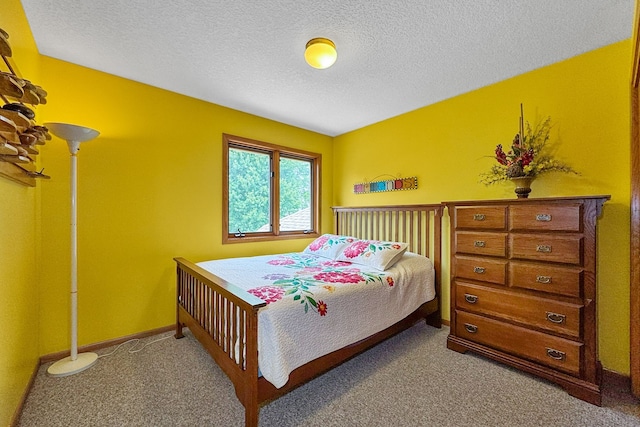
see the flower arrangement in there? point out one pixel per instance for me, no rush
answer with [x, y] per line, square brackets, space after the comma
[529, 156]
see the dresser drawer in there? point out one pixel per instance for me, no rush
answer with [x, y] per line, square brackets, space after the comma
[549, 350]
[546, 247]
[546, 278]
[481, 217]
[483, 269]
[546, 218]
[550, 315]
[478, 243]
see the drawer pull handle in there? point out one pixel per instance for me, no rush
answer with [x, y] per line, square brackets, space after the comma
[471, 299]
[555, 317]
[478, 217]
[556, 354]
[543, 248]
[543, 279]
[543, 217]
[472, 329]
[478, 270]
[479, 244]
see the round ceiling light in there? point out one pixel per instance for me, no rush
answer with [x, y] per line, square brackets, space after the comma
[320, 53]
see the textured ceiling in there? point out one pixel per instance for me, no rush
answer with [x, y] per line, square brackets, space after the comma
[394, 56]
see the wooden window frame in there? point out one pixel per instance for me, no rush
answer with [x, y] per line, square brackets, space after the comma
[276, 151]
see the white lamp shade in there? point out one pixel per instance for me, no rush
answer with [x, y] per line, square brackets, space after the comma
[70, 132]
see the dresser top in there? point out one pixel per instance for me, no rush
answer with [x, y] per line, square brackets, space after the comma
[602, 198]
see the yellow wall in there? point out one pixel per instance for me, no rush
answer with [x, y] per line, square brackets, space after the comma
[18, 246]
[149, 190]
[447, 146]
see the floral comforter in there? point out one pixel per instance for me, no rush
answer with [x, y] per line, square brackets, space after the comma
[316, 305]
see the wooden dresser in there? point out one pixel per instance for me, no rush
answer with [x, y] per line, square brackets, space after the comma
[523, 286]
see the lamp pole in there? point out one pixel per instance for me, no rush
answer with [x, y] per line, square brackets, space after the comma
[74, 147]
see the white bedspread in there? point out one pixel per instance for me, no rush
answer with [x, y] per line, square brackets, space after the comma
[317, 305]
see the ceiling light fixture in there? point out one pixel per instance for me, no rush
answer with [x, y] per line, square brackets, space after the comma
[320, 53]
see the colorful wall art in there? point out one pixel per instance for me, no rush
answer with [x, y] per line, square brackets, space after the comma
[390, 185]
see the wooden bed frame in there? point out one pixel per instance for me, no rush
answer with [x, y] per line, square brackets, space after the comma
[205, 300]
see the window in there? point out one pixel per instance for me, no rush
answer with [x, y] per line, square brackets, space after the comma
[270, 192]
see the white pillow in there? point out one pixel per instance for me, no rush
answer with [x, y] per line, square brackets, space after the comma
[373, 253]
[329, 245]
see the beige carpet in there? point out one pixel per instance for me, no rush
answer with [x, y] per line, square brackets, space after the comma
[409, 380]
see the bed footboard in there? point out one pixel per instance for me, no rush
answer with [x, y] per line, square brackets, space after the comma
[224, 319]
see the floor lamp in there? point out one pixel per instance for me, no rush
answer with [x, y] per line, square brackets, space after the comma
[75, 363]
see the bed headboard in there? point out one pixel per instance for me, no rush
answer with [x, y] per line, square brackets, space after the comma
[417, 225]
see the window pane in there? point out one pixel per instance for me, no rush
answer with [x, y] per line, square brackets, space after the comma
[249, 191]
[295, 194]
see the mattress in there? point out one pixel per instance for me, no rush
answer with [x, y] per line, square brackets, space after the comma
[317, 305]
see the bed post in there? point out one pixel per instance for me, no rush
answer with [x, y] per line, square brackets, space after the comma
[252, 402]
[178, 333]
[435, 318]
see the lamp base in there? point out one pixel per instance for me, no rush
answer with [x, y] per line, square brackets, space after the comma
[66, 366]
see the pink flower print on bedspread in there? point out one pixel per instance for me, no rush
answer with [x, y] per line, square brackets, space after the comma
[327, 241]
[339, 277]
[281, 261]
[268, 294]
[295, 260]
[312, 275]
[336, 264]
[356, 249]
[368, 247]
[317, 244]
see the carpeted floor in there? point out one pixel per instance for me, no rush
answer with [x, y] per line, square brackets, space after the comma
[409, 380]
